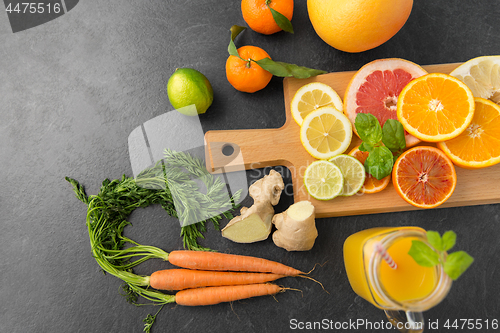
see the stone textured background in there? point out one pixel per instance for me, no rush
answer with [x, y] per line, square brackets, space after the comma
[74, 88]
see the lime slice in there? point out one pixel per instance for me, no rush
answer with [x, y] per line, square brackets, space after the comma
[482, 76]
[326, 132]
[311, 97]
[323, 180]
[353, 172]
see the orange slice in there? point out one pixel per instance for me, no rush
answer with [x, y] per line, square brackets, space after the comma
[479, 145]
[424, 177]
[371, 184]
[435, 107]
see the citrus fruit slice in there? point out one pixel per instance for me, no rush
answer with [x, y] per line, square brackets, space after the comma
[435, 107]
[424, 176]
[323, 180]
[479, 145]
[325, 133]
[371, 184]
[375, 89]
[482, 76]
[353, 172]
[311, 97]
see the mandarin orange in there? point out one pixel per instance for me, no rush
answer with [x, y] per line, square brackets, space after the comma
[246, 75]
[257, 14]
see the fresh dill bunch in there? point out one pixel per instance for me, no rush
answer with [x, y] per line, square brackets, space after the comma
[170, 183]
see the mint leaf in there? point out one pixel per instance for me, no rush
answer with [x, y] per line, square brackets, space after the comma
[365, 147]
[454, 265]
[282, 21]
[457, 263]
[283, 69]
[435, 240]
[379, 162]
[368, 128]
[423, 254]
[449, 240]
[235, 31]
[393, 135]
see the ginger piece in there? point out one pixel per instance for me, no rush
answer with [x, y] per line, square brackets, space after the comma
[296, 227]
[255, 223]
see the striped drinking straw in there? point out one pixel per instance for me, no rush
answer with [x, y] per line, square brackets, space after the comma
[382, 251]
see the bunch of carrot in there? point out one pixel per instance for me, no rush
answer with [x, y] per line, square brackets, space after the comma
[208, 278]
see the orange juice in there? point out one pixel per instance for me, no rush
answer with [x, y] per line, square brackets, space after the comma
[409, 281]
[409, 286]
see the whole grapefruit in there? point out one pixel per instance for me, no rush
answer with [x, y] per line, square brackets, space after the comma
[358, 25]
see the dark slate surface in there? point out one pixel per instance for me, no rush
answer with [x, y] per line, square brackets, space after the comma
[74, 88]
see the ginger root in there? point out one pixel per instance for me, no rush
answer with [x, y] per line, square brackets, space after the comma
[255, 223]
[296, 228]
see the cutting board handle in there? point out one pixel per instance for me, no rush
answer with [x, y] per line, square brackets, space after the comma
[234, 150]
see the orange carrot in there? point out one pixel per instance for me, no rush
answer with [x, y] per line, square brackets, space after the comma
[214, 261]
[216, 295]
[179, 279]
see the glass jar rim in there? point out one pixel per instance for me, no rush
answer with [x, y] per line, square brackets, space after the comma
[438, 293]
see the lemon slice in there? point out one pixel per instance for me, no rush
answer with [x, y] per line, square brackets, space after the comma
[353, 172]
[482, 76]
[325, 133]
[311, 97]
[323, 180]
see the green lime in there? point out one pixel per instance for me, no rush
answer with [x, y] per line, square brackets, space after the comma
[323, 180]
[353, 172]
[188, 87]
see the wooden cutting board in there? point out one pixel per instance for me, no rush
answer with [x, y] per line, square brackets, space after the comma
[258, 148]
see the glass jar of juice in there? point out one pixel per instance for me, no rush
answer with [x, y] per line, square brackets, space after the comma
[409, 287]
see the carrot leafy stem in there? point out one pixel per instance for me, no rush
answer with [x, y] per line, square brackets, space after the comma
[149, 321]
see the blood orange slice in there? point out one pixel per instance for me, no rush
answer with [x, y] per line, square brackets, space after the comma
[424, 176]
[375, 89]
[371, 184]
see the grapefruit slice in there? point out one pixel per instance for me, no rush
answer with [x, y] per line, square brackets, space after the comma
[375, 89]
[482, 76]
[424, 177]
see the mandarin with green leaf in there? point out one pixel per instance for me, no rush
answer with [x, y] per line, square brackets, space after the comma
[257, 14]
[243, 73]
